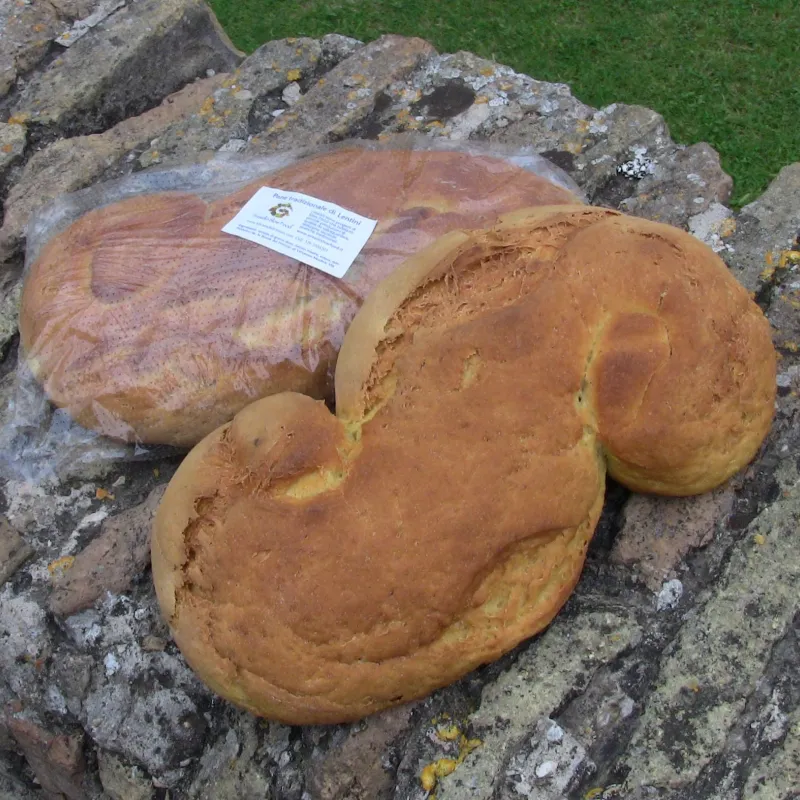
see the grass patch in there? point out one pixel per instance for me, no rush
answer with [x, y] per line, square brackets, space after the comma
[722, 71]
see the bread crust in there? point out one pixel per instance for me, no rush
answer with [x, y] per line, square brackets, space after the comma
[317, 568]
[148, 323]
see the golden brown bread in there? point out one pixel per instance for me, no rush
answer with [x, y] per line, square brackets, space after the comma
[147, 322]
[317, 568]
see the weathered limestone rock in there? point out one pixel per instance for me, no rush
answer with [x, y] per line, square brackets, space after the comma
[13, 139]
[14, 551]
[338, 102]
[71, 164]
[766, 231]
[240, 106]
[356, 768]
[10, 294]
[720, 654]
[25, 32]
[57, 759]
[121, 782]
[124, 66]
[658, 533]
[513, 706]
[111, 561]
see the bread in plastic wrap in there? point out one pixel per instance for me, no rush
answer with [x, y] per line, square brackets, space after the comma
[147, 323]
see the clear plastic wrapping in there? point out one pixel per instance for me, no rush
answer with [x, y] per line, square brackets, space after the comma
[143, 324]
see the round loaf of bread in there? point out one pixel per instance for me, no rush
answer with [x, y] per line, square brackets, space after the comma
[148, 323]
[317, 568]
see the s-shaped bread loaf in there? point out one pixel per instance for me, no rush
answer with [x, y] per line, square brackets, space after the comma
[317, 568]
[148, 323]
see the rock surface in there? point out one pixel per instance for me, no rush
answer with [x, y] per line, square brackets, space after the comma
[672, 671]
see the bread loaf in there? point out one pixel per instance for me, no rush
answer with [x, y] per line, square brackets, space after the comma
[317, 568]
[148, 323]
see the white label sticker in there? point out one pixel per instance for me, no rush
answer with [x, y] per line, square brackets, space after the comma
[321, 234]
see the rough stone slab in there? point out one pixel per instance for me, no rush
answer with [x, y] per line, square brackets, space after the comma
[720, 654]
[10, 295]
[126, 64]
[345, 96]
[13, 139]
[25, 33]
[658, 532]
[559, 662]
[765, 229]
[122, 782]
[778, 775]
[688, 183]
[459, 95]
[56, 759]
[354, 770]
[71, 164]
[239, 106]
[14, 550]
[111, 562]
[228, 770]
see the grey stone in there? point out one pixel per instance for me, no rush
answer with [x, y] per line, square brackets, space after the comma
[765, 232]
[71, 164]
[111, 561]
[338, 102]
[688, 181]
[720, 654]
[240, 104]
[776, 775]
[25, 33]
[14, 550]
[547, 767]
[355, 769]
[124, 66]
[336, 48]
[230, 768]
[559, 662]
[658, 532]
[10, 295]
[460, 95]
[123, 782]
[13, 139]
[55, 758]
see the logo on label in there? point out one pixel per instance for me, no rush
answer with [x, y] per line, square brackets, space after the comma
[281, 210]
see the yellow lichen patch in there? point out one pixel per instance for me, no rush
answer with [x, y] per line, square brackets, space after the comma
[582, 126]
[445, 766]
[103, 494]
[19, 119]
[481, 99]
[573, 147]
[487, 71]
[7, 148]
[727, 226]
[693, 685]
[207, 107]
[593, 793]
[766, 273]
[58, 567]
[792, 347]
[788, 258]
[760, 539]
[156, 472]
[434, 771]
[293, 75]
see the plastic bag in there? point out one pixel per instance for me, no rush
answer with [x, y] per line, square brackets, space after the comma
[144, 325]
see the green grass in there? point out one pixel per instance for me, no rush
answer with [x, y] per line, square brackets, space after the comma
[722, 71]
